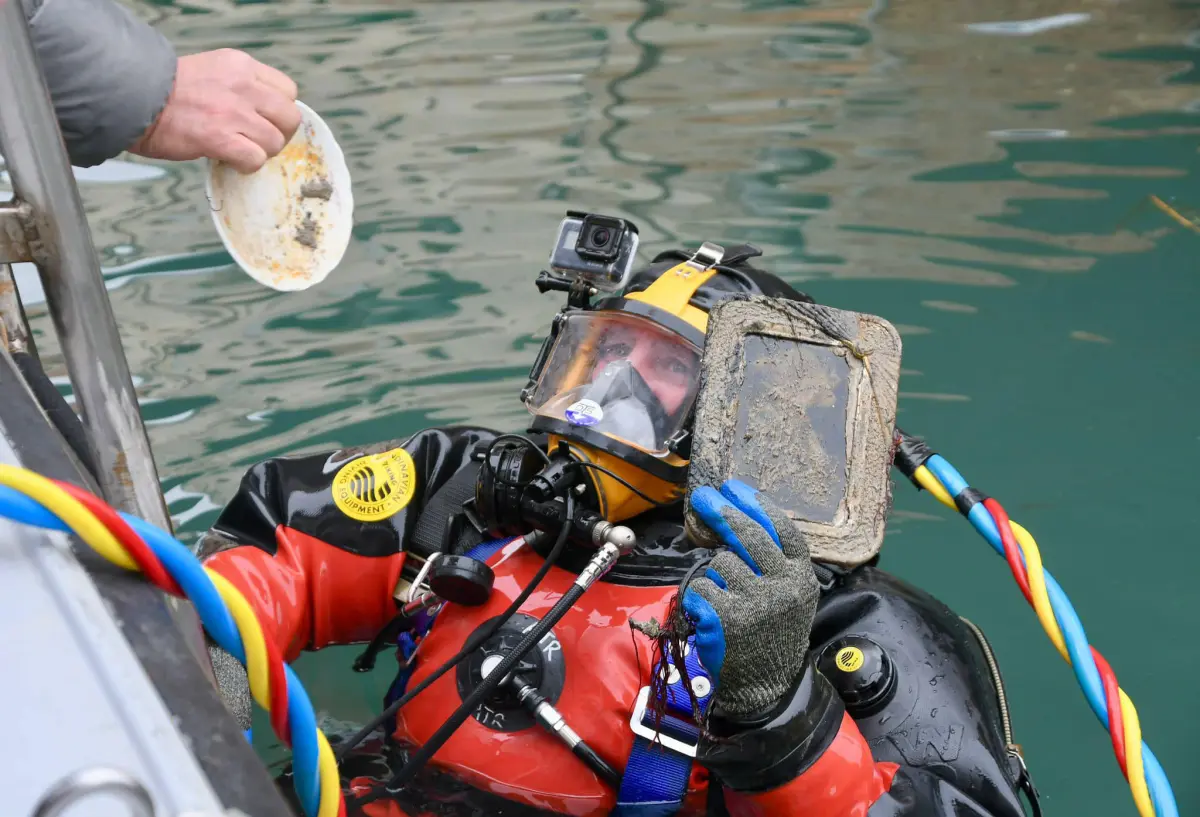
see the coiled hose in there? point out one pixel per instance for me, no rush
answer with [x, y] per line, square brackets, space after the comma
[136, 545]
[1148, 782]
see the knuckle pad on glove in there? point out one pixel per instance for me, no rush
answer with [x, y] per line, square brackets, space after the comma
[790, 539]
[755, 540]
[750, 501]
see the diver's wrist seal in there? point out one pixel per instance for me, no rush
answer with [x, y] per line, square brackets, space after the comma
[765, 751]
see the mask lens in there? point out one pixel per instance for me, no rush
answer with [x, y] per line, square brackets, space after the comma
[619, 374]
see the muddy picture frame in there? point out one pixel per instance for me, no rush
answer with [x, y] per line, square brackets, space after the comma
[766, 436]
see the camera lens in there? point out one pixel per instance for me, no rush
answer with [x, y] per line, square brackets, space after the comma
[601, 239]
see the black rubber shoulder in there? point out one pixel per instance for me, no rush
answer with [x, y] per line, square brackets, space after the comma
[944, 716]
[297, 492]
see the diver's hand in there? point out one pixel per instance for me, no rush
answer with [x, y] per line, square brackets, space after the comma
[224, 105]
[754, 606]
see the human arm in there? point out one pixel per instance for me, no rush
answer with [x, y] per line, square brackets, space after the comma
[780, 739]
[809, 759]
[109, 74]
[116, 84]
[316, 543]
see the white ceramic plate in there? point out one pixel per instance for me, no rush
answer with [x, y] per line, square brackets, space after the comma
[287, 224]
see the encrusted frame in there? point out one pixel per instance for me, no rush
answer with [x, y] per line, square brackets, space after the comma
[871, 347]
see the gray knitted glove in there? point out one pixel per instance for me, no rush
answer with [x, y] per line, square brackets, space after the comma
[754, 606]
[233, 685]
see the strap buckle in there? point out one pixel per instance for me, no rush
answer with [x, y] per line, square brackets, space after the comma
[707, 257]
[638, 723]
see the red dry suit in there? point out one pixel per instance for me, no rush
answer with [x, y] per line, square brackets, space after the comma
[319, 551]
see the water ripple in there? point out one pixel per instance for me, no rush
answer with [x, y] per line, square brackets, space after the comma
[985, 193]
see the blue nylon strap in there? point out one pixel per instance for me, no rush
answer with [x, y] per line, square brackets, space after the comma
[678, 699]
[654, 783]
[656, 776]
[484, 550]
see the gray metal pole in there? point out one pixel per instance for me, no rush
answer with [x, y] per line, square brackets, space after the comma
[78, 302]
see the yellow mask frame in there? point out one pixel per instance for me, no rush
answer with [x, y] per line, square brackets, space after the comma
[635, 481]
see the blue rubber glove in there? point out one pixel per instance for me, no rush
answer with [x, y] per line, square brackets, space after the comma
[754, 606]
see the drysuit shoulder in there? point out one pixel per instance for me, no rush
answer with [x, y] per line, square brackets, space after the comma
[367, 500]
[918, 681]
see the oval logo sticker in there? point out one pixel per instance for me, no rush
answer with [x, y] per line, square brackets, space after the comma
[376, 486]
[584, 413]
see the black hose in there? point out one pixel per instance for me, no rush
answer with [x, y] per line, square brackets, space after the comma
[472, 643]
[597, 764]
[532, 700]
[489, 685]
[61, 415]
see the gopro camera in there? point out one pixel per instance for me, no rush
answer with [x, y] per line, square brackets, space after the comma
[597, 249]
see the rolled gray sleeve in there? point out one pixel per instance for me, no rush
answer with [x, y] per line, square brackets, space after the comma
[109, 73]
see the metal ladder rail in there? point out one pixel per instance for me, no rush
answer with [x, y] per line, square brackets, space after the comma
[45, 223]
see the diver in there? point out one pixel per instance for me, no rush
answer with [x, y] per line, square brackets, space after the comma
[676, 678]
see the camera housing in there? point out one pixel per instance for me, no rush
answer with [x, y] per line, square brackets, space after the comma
[798, 401]
[597, 249]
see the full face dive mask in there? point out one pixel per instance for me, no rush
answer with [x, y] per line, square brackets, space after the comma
[618, 388]
[633, 421]
[620, 376]
[619, 403]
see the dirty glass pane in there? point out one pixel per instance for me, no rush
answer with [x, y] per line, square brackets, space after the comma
[790, 439]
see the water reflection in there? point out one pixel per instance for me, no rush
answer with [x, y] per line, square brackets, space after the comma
[972, 174]
[849, 141]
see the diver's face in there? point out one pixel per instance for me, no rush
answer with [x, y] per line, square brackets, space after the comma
[667, 366]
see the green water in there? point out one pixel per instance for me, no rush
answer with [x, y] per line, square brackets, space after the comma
[986, 193]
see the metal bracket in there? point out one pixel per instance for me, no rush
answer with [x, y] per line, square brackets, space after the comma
[17, 232]
[15, 328]
[405, 595]
[639, 728]
[415, 587]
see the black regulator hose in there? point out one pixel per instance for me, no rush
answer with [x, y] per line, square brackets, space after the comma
[485, 689]
[472, 643]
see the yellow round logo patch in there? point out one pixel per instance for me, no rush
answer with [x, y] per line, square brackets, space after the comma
[376, 486]
[849, 659]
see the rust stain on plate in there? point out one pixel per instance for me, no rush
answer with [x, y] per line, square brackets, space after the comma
[288, 223]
